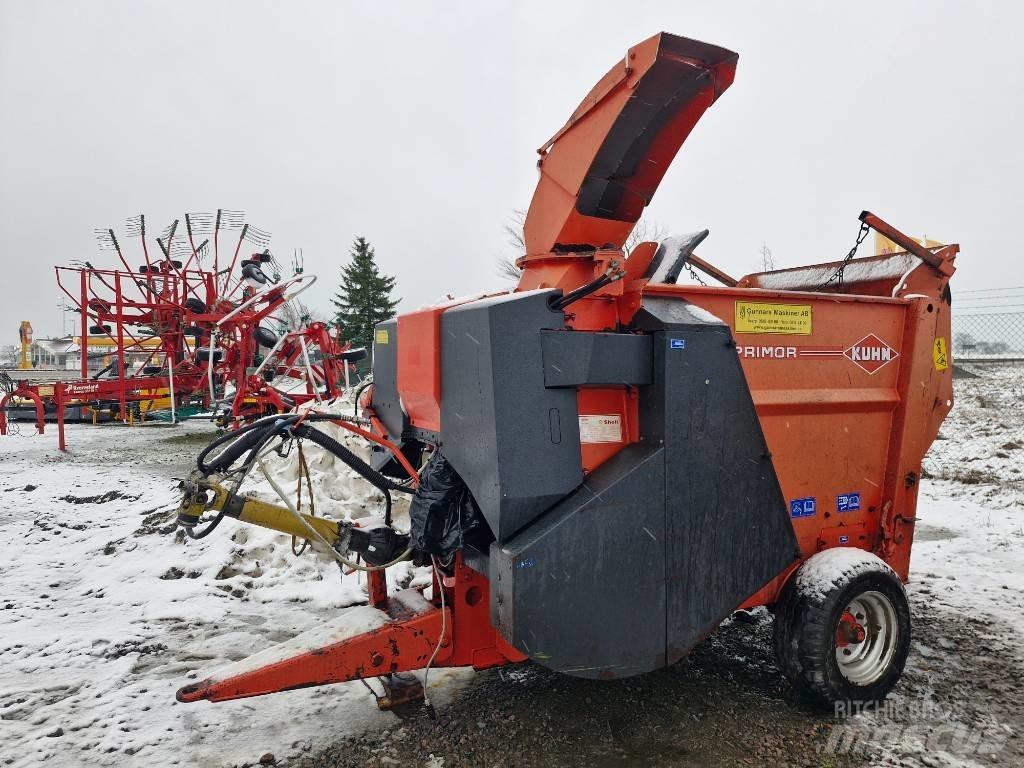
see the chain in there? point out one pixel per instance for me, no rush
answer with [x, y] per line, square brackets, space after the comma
[693, 273]
[838, 276]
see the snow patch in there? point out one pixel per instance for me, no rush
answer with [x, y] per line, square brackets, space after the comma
[354, 621]
[857, 271]
[826, 570]
[105, 611]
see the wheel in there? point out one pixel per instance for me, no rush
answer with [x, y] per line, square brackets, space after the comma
[98, 329]
[842, 628]
[151, 370]
[253, 275]
[264, 336]
[203, 354]
[193, 304]
[353, 355]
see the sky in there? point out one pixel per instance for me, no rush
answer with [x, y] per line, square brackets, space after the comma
[416, 126]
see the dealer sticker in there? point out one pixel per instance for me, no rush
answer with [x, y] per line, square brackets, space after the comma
[783, 319]
[805, 507]
[848, 502]
[601, 428]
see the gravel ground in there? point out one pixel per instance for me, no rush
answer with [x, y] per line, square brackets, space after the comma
[725, 705]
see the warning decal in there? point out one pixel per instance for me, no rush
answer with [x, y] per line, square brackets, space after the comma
[786, 319]
[381, 336]
[939, 355]
[605, 428]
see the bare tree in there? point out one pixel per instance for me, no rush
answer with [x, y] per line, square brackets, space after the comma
[507, 269]
[767, 262]
[643, 232]
[8, 355]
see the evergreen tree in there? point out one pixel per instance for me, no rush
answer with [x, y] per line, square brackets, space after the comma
[364, 297]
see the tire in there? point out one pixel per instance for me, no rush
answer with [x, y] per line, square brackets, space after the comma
[192, 304]
[264, 336]
[98, 329]
[353, 355]
[203, 354]
[842, 628]
[254, 275]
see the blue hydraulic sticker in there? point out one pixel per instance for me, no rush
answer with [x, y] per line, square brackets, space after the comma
[844, 539]
[677, 343]
[802, 507]
[848, 502]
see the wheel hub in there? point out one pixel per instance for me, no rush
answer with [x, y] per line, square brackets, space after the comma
[866, 638]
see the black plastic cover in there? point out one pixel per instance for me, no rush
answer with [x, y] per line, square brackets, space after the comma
[513, 440]
[386, 402]
[443, 514]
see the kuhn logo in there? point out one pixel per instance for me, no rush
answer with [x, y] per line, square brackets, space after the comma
[871, 353]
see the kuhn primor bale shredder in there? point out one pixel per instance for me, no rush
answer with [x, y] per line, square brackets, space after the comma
[605, 464]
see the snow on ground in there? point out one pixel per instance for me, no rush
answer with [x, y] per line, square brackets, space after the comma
[981, 443]
[967, 568]
[968, 556]
[105, 611]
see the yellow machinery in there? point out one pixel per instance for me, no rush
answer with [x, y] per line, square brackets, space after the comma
[25, 334]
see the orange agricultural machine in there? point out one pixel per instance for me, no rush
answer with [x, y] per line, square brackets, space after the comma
[604, 463]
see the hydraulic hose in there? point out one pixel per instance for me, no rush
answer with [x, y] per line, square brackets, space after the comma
[251, 439]
[246, 438]
[208, 529]
[375, 478]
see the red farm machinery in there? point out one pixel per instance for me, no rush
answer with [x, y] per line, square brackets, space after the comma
[189, 330]
[604, 463]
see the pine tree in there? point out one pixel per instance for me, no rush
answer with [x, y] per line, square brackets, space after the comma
[364, 297]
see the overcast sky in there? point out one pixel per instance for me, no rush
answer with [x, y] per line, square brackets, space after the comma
[416, 124]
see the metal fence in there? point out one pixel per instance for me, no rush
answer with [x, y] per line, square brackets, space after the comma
[988, 325]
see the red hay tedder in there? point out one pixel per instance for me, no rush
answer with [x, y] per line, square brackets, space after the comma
[191, 330]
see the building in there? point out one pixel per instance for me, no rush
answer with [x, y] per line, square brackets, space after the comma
[66, 353]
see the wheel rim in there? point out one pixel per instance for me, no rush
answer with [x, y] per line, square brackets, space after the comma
[866, 638]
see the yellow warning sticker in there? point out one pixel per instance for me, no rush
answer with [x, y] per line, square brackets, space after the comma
[783, 319]
[381, 336]
[939, 354]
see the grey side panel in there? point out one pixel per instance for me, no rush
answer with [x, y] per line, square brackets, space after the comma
[514, 442]
[729, 531]
[577, 359]
[385, 381]
[582, 590]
